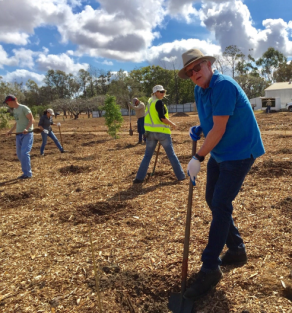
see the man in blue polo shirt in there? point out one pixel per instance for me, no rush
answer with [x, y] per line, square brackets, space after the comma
[232, 137]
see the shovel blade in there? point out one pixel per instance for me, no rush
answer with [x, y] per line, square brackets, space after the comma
[131, 132]
[178, 304]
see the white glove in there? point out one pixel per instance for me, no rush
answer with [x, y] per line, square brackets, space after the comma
[45, 131]
[59, 124]
[193, 169]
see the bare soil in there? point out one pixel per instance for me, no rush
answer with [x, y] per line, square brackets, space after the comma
[138, 231]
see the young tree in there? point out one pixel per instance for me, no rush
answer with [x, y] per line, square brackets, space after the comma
[113, 116]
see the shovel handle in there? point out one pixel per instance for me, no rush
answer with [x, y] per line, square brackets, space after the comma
[156, 159]
[187, 231]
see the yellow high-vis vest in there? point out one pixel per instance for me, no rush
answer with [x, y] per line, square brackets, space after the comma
[152, 123]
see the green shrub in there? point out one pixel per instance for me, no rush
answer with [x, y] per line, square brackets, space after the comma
[4, 120]
[113, 116]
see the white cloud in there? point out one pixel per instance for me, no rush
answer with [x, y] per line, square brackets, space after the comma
[5, 59]
[118, 29]
[124, 30]
[22, 57]
[19, 18]
[276, 35]
[182, 9]
[232, 24]
[107, 62]
[23, 76]
[59, 62]
[16, 38]
[169, 54]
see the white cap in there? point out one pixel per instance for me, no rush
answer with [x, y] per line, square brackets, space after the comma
[50, 111]
[158, 88]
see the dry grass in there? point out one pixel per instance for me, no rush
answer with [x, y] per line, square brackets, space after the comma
[45, 252]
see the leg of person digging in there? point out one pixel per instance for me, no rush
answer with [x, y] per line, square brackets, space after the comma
[61, 137]
[177, 303]
[155, 159]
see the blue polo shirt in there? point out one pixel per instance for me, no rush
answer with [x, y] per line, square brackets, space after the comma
[242, 138]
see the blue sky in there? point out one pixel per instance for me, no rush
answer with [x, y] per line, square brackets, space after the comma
[109, 35]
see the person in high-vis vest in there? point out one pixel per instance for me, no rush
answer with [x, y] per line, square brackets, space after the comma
[157, 126]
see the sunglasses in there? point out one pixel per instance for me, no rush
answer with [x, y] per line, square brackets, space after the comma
[195, 69]
[161, 91]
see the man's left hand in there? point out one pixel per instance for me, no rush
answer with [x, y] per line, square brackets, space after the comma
[25, 131]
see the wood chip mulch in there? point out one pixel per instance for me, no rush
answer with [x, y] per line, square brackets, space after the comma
[138, 231]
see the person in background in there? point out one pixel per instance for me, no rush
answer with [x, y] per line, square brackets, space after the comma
[232, 137]
[157, 126]
[269, 104]
[139, 108]
[45, 125]
[24, 138]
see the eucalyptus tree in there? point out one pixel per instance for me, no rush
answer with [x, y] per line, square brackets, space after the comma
[270, 61]
[233, 55]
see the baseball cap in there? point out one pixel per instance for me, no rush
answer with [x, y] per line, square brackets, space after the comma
[134, 100]
[50, 111]
[9, 98]
[158, 88]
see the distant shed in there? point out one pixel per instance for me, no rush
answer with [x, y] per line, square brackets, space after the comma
[280, 90]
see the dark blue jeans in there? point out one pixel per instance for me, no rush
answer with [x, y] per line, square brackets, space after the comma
[140, 125]
[224, 181]
[52, 136]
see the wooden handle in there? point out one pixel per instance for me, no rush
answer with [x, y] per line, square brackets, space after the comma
[187, 231]
[156, 159]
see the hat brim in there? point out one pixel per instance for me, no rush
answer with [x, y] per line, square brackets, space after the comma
[182, 73]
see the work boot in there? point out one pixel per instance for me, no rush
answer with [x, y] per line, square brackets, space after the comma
[234, 258]
[203, 283]
[137, 181]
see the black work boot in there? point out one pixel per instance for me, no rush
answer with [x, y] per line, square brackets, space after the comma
[137, 181]
[203, 283]
[234, 258]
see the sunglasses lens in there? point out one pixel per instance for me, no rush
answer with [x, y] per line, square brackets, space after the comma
[189, 73]
[162, 91]
[195, 69]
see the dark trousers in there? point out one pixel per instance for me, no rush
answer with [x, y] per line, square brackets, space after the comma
[224, 181]
[140, 125]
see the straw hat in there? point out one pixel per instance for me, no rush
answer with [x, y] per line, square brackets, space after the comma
[190, 57]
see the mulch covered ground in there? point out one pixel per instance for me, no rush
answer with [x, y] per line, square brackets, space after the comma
[137, 231]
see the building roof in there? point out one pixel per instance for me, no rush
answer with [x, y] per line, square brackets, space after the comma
[279, 86]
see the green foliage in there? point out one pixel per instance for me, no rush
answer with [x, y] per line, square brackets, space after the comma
[270, 61]
[38, 110]
[113, 116]
[253, 86]
[283, 73]
[4, 118]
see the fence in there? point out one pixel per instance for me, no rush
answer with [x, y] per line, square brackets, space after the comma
[173, 108]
